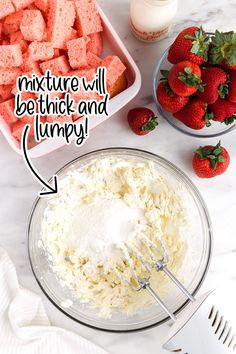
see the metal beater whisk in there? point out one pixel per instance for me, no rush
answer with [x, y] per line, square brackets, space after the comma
[157, 260]
[214, 334]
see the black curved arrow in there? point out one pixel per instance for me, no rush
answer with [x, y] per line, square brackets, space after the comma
[50, 189]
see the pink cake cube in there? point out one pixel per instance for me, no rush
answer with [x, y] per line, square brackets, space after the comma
[32, 25]
[30, 65]
[8, 76]
[7, 111]
[45, 36]
[86, 96]
[41, 50]
[74, 34]
[42, 4]
[88, 19]
[93, 60]
[12, 22]
[70, 33]
[27, 96]
[115, 68]
[18, 128]
[5, 92]
[57, 53]
[32, 7]
[10, 56]
[58, 66]
[6, 8]
[89, 73]
[59, 119]
[14, 90]
[95, 45]
[17, 38]
[77, 53]
[61, 18]
[27, 119]
[21, 4]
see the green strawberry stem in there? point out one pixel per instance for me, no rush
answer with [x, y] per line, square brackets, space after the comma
[208, 117]
[190, 79]
[200, 43]
[168, 89]
[230, 120]
[214, 154]
[223, 90]
[224, 48]
[150, 125]
[165, 74]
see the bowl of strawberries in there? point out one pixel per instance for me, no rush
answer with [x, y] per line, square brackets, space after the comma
[194, 85]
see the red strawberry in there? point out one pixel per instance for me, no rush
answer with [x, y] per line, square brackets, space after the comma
[194, 114]
[227, 66]
[185, 78]
[142, 120]
[168, 99]
[223, 111]
[223, 49]
[210, 161]
[232, 86]
[215, 81]
[191, 44]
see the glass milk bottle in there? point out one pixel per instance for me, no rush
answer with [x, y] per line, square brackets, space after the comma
[151, 19]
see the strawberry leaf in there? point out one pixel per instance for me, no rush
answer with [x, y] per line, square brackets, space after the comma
[200, 43]
[168, 89]
[150, 125]
[164, 73]
[190, 79]
[208, 117]
[213, 153]
[224, 48]
[230, 120]
[223, 90]
[188, 70]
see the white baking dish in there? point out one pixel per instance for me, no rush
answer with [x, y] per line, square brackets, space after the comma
[112, 45]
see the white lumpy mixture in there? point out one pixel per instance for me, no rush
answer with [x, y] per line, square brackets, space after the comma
[102, 213]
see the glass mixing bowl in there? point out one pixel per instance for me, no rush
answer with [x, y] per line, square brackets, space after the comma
[192, 272]
[216, 128]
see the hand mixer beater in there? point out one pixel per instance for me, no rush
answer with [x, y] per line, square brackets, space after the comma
[201, 329]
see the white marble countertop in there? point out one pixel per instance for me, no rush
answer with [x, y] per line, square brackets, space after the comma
[18, 189]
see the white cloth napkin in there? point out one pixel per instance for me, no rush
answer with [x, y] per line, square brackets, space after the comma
[24, 325]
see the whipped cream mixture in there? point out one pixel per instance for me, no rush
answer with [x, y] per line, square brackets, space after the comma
[95, 227]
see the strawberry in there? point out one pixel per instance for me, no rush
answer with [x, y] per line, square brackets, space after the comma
[142, 120]
[191, 44]
[223, 50]
[210, 161]
[232, 86]
[194, 115]
[185, 78]
[223, 111]
[168, 99]
[215, 81]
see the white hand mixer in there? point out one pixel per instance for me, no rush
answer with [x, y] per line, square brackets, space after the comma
[201, 329]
